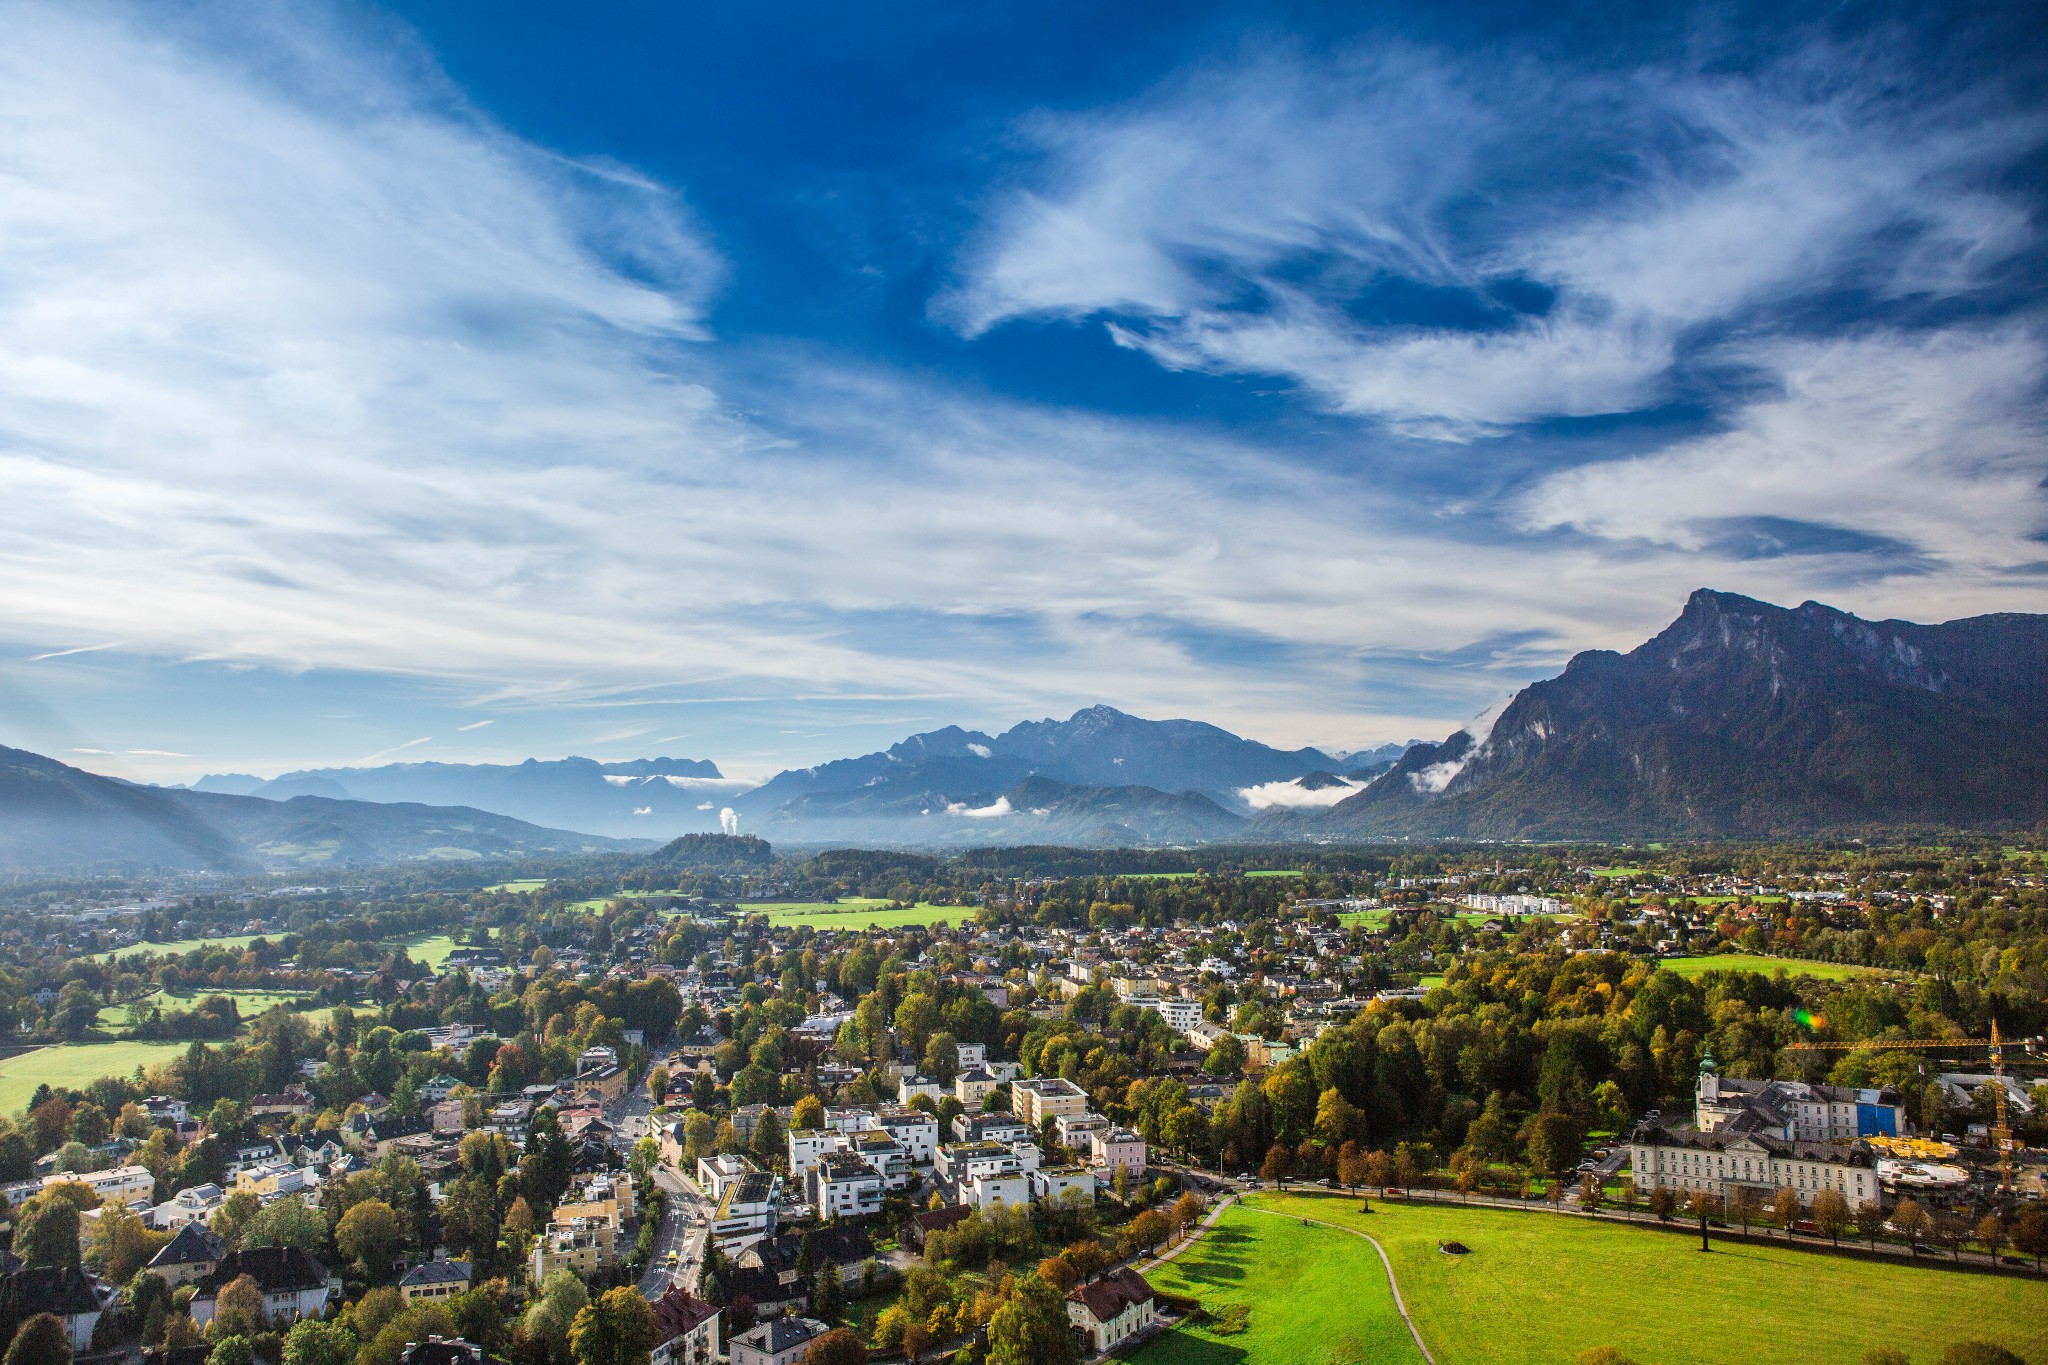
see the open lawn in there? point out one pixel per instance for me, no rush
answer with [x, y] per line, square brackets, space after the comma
[1265, 873]
[1314, 1295]
[1692, 967]
[1617, 872]
[1366, 919]
[1540, 1288]
[77, 1065]
[520, 884]
[429, 950]
[856, 912]
[185, 945]
[249, 1003]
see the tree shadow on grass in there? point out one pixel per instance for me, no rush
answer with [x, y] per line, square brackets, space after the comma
[1176, 1347]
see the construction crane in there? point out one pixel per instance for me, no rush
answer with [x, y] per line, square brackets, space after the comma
[2001, 1133]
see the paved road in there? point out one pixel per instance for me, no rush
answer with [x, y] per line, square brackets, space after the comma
[683, 1230]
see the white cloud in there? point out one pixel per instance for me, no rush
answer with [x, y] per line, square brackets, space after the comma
[1292, 795]
[994, 810]
[1230, 220]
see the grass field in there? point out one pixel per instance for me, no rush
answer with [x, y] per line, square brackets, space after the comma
[520, 884]
[1264, 873]
[1315, 1295]
[1617, 872]
[77, 1065]
[429, 950]
[856, 912]
[249, 1003]
[185, 945]
[1539, 1288]
[1692, 967]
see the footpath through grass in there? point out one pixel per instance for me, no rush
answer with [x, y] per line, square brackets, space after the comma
[1540, 1288]
[1298, 1296]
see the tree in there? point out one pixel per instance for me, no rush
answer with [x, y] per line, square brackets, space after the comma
[46, 1231]
[238, 1309]
[1663, 1201]
[2030, 1234]
[1554, 1141]
[1591, 1196]
[1786, 1209]
[839, 1347]
[1743, 1208]
[1870, 1220]
[618, 1329]
[1979, 1353]
[1279, 1164]
[917, 1339]
[551, 1314]
[234, 1349]
[657, 1086]
[1912, 1220]
[1226, 1057]
[233, 1216]
[122, 1243]
[1150, 1230]
[809, 1115]
[371, 1235]
[1831, 1214]
[1030, 1327]
[313, 1342]
[42, 1340]
[1187, 1211]
[288, 1223]
[828, 1294]
[1991, 1234]
[1058, 1274]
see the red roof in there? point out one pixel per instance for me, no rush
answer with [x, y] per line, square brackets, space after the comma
[1107, 1298]
[679, 1312]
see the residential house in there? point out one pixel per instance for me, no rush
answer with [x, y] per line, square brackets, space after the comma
[1112, 1310]
[843, 1185]
[585, 1246]
[782, 1341]
[435, 1280]
[688, 1328]
[1038, 1099]
[74, 1296]
[294, 1285]
[190, 1255]
[193, 1205]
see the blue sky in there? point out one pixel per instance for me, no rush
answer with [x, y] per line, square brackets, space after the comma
[478, 380]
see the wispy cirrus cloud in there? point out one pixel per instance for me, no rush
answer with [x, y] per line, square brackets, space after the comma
[1458, 246]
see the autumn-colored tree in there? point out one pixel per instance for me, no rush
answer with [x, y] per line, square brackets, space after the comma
[1991, 1234]
[1150, 1230]
[917, 1339]
[1831, 1214]
[1870, 1220]
[1086, 1258]
[1058, 1274]
[1187, 1211]
[1912, 1220]
[1279, 1164]
[46, 1231]
[1663, 1201]
[2029, 1234]
[1786, 1209]
[839, 1346]
[1030, 1327]
[371, 1235]
[618, 1328]
[238, 1309]
[809, 1115]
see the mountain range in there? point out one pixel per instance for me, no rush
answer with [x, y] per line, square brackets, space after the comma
[654, 798]
[1743, 719]
[54, 816]
[1740, 719]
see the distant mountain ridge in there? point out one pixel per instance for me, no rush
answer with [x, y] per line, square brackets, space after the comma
[56, 817]
[1743, 719]
[654, 798]
[1104, 774]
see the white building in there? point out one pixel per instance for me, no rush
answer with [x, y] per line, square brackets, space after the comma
[842, 1185]
[1040, 1098]
[1111, 1310]
[1723, 1164]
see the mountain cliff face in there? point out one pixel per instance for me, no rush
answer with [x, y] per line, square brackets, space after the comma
[1034, 810]
[1745, 719]
[56, 817]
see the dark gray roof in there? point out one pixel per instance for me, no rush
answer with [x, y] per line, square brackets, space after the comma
[195, 1244]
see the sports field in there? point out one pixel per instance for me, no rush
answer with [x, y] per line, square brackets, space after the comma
[1540, 1288]
[856, 912]
[185, 945]
[77, 1065]
[1691, 967]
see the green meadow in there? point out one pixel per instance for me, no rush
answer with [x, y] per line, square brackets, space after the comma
[857, 912]
[181, 946]
[77, 1065]
[1538, 1288]
[1692, 967]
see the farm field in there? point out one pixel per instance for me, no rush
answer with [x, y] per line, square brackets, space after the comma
[1691, 967]
[185, 945]
[520, 884]
[75, 1064]
[1314, 1294]
[1539, 1288]
[856, 912]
